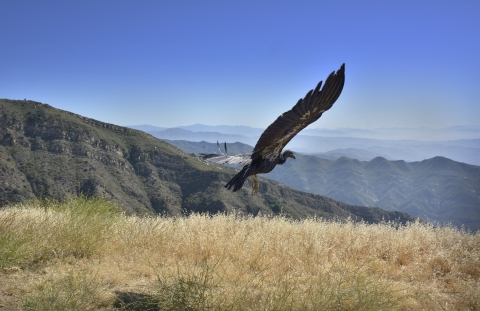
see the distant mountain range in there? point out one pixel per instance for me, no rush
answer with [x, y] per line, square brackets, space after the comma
[353, 141]
[459, 132]
[182, 134]
[353, 153]
[50, 153]
[437, 189]
[422, 133]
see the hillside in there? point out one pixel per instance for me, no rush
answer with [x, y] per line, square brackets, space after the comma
[46, 152]
[437, 189]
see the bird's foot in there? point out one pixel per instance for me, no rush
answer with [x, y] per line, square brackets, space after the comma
[255, 184]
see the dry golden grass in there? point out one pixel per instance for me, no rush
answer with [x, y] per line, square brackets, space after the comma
[57, 256]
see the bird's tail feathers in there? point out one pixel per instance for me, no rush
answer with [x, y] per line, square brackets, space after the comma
[238, 180]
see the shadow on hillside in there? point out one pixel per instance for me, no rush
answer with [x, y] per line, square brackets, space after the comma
[131, 301]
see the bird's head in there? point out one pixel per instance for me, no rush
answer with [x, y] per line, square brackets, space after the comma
[288, 154]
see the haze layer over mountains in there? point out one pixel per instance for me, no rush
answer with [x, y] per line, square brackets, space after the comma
[459, 143]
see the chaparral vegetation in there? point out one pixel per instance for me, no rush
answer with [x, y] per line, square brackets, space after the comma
[85, 254]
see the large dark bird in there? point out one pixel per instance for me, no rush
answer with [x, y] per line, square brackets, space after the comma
[268, 150]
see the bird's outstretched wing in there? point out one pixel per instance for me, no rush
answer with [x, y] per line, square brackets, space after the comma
[305, 112]
[226, 159]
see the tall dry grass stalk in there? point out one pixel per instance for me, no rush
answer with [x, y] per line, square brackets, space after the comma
[235, 263]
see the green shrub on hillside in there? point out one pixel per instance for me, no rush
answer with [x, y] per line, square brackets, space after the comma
[77, 227]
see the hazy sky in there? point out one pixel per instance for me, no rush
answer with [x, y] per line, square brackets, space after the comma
[171, 63]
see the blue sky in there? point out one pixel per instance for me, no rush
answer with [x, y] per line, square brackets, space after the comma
[408, 63]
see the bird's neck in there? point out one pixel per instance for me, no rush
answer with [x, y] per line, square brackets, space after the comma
[282, 159]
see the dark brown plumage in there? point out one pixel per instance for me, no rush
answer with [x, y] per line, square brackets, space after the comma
[268, 150]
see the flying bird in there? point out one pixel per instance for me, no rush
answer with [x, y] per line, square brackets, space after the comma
[268, 150]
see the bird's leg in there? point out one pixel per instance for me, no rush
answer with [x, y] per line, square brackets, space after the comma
[255, 183]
